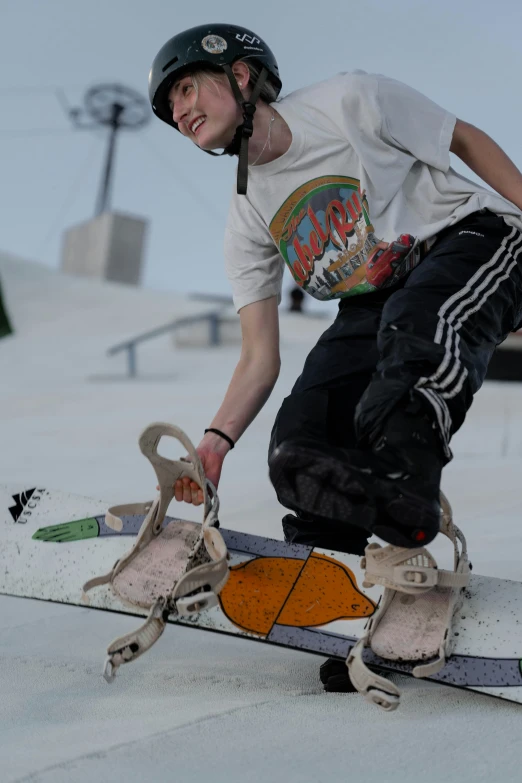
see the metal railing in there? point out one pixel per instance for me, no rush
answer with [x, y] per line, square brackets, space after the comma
[213, 318]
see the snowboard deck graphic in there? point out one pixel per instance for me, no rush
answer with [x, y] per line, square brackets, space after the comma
[289, 595]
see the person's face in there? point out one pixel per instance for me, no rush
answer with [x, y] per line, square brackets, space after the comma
[208, 119]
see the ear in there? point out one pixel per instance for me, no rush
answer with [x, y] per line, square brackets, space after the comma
[242, 74]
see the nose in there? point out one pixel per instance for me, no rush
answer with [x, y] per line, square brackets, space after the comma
[181, 108]
[178, 112]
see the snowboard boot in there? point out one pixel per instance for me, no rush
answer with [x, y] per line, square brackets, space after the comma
[331, 535]
[390, 488]
[335, 678]
[333, 673]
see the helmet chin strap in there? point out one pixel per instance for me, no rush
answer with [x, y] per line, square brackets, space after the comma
[239, 144]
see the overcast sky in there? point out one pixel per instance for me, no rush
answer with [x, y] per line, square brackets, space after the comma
[464, 54]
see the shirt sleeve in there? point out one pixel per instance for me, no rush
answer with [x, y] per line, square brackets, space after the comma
[415, 123]
[254, 269]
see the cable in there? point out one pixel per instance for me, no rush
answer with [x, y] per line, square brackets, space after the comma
[59, 94]
[71, 196]
[38, 90]
[24, 132]
[199, 196]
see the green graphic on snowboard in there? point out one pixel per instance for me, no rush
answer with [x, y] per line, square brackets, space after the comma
[69, 531]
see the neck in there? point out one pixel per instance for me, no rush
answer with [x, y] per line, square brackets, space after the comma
[271, 137]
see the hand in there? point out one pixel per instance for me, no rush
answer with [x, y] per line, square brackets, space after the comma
[188, 491]
[212, 451]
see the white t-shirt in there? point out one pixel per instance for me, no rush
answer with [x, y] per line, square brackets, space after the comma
[369, 160]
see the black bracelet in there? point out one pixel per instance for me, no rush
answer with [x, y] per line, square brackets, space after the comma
[222, 435]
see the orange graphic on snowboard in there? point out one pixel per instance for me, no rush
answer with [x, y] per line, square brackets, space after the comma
[296, 593]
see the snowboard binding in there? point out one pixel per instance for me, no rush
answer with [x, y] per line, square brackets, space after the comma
[178, 568]
[413, 621]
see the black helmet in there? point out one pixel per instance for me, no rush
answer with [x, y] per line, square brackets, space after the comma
[218, 46]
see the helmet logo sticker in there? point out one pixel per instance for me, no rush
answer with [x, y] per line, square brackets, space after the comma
[214, 44]
[251, 39]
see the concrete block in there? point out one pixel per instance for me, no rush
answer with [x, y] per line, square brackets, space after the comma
[108, 247]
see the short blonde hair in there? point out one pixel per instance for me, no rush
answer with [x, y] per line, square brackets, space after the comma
[215, 79]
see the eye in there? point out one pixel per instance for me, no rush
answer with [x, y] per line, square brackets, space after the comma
[186, 88]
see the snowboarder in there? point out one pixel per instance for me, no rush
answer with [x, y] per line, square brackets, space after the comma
[349, 183]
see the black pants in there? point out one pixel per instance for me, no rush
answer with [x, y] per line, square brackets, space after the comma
[433, 334]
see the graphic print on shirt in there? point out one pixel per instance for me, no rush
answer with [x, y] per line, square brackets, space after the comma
[324, 232]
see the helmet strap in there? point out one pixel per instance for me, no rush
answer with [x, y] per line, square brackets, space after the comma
[239, 144]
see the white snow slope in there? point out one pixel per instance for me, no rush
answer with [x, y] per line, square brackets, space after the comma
[204, 707]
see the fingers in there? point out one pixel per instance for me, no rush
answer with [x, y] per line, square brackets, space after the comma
[188, 491]
[197, 496]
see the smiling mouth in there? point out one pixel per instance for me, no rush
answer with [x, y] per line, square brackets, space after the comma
[197, 125]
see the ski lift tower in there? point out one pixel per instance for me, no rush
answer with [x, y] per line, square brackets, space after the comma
[110, 246]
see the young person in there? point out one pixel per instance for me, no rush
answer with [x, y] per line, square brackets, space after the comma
[349, 183]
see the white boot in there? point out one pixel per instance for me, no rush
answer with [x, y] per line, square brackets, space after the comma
[176, 569]
[413, 621]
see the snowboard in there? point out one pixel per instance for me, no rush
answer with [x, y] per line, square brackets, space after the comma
[294, 596]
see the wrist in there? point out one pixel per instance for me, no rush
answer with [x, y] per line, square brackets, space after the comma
[221, 434]
[216, 443]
